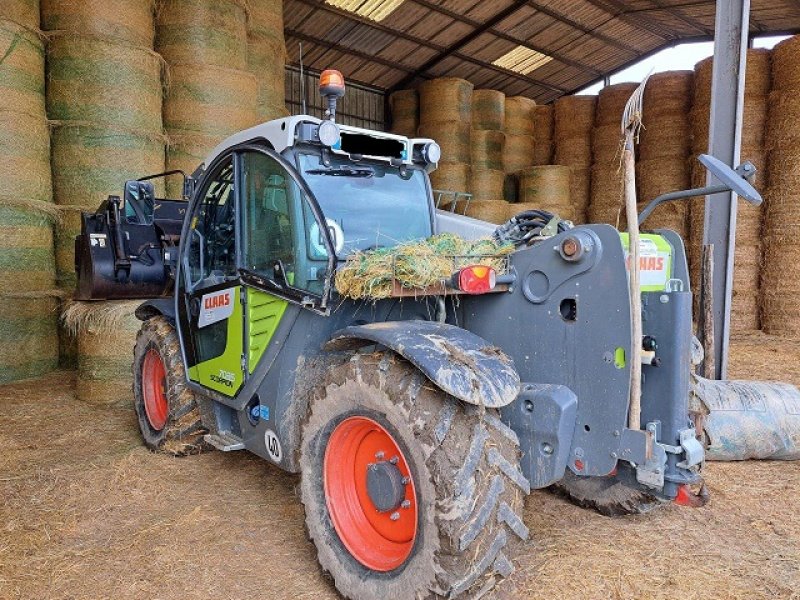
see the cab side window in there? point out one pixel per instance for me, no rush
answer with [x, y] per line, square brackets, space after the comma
[275, 228]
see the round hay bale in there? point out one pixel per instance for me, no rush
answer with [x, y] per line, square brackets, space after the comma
[659, 176]
[28, 336]
[202, 32]
[754, 123]
[21, 69]
[488, 110]
[607, 197]
[757, 76]
[542, 153]
[128, 21]
[452, 136]
[546, 187]
[266, 60]
[486, 149]
[404, 105]
[106, 334]
[447, 99]
[611, 101]
[27, 262]
[22, 12]
[265, 17]
[786, 65]
[668, 136]
[186, 151]
[518, 152]
[92, 80]
[90, 163]
[25, 162]
[486, 185]
[574, 116]
[574, 151]
[783, 122]
[744, 312]
[491, 211]
[544, 122]
[451, 177]
[669, 92]
[607, 143]
[521, 115]
[210, 100]
[580, 189]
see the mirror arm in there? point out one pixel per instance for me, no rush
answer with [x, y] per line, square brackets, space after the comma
[681, 195]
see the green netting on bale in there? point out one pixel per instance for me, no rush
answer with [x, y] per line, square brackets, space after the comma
[416, 265]
[21, 69]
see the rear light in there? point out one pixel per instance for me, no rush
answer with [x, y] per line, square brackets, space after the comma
[476, 279]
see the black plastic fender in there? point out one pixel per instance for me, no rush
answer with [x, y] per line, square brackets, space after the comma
[155, 307]
[457, 361]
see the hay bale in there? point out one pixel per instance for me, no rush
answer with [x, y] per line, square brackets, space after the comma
[265, 17]
[659, 176]
[448, 99]
[106, 334]
[574, 151]
[492, 211]
[574, 116]
[404, 106]
[543, 135]
[580, 190]
[210, 100]
[521, 115]
[22, 12]
[611, 101]
[186, 151]
[266, 60]
[28, 335]
[27, 262]
[21, 69]
[93, 80]
[486, 185]
[607, 145]
[204, 32]
[488, 110]
[518, 152]
[127, 21]
[486, 149]
[754, 122]
[548, 188]
[25, 161]
[666, 136]
[757, 76]
[667, 93]
[607, 197]
[451, 177]
[90, 163]
[452, 136]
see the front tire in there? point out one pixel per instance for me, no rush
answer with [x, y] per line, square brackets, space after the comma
[444, 516]
[169, 418]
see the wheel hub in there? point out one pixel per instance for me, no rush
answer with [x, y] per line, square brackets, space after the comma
[385, 486]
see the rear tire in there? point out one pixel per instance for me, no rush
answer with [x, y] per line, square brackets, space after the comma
[607, 495]
[169, 418]
[466, 487]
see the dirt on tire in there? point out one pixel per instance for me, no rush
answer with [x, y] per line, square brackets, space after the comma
[464, 461]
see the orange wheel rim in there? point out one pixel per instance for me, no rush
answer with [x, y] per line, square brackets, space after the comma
[380, 540]
[154, 385]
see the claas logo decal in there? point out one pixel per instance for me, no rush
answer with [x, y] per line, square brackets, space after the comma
[649, 263]
[216, 307]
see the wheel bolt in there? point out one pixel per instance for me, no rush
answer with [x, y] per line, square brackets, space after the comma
[394, 516]
[379, 455]
[394, 460]
[406, 504]
[406, 480]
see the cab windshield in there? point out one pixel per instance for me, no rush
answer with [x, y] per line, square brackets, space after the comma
[369, 204]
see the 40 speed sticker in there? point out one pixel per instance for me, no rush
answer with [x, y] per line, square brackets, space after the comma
[273, 446]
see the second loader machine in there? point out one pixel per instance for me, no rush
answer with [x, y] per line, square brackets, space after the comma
[418, 423]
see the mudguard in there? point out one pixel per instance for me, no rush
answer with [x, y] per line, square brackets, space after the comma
[455, 360]
[156, 306]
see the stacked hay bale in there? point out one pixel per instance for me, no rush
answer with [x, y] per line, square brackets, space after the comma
[606, 203]
[487, 177]
[106, 334]
[749, 251]
[28, 332]
[545, 187]
[543, 135]
[664, 148]
[266, 57]
[520, 128]
[445, 115]
[780, 290]
[574, 120]
[210, 93]
[404, 105]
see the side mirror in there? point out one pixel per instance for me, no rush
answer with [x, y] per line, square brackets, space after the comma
[140, 202]
[737, 181]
